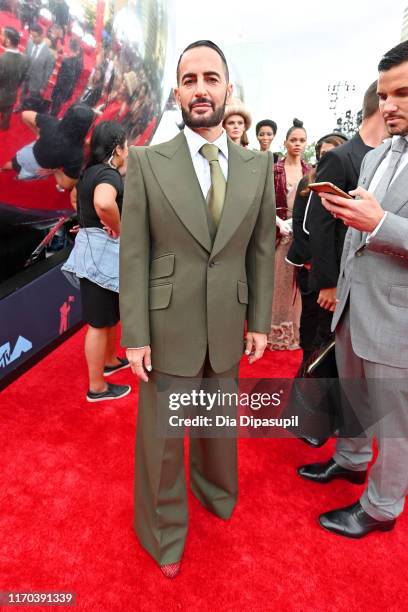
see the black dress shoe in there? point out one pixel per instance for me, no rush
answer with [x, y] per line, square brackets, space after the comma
[353, 522]
[326, 472]
[312, 441]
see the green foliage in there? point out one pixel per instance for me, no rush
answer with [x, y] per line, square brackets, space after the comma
[310, 153]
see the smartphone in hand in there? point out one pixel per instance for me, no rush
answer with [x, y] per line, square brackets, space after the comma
[326, 187]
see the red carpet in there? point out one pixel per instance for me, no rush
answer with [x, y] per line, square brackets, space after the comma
[33, 194]
[66, 514]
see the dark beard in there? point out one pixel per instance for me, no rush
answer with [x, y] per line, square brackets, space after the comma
[397, 132]
[213, 120]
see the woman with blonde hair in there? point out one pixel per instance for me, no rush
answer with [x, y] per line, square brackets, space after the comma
[237, 121]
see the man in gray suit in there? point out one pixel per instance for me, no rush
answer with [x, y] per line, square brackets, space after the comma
[41, 63]
[371, 319]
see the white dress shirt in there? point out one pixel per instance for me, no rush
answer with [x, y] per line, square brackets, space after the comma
[35, 51]
[201, 165]
[379, 173]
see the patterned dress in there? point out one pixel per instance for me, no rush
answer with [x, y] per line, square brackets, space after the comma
[286, 307]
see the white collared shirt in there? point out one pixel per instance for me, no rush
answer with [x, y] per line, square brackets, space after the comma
[35, 51]
[379, 173]
[12, 51]
[201, 165]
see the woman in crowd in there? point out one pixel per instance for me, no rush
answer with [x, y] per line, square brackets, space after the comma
[299, 253]
[58, 148]
[286, 303]
[95, 257]
[237, 121]
[265, 132]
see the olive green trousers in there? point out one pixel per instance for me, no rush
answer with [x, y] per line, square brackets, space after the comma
[161, 513]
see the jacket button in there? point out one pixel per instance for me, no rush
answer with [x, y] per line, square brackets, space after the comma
[213, 263]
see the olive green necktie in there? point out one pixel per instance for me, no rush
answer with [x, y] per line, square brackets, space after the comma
[216, 194]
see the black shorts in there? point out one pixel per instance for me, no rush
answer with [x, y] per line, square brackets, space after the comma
[100, 307]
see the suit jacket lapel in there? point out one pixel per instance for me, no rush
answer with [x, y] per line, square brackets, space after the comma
[367, 177]
[374, 162]
[243, 180]
[173, 168]
[397, 194]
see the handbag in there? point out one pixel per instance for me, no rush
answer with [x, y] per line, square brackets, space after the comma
[322, 362]
[315, 395]
[319, 400]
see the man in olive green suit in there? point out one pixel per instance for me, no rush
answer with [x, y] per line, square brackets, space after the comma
[197, 257]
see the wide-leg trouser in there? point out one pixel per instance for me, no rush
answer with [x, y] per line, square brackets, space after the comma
[161, 513]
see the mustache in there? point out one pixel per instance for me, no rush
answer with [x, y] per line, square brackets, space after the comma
[201, 101]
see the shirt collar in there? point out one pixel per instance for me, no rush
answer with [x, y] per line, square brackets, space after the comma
[11, 51]
[195, 141]
[394, 138]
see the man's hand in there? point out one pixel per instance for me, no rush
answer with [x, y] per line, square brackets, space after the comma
[140, 361]
[255, 345]
[363, 214]
[327, 298]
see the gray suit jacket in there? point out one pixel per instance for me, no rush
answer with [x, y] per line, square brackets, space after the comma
[40, 68]
[374, 275]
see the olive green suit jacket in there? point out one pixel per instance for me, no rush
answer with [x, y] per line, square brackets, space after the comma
[181, 292]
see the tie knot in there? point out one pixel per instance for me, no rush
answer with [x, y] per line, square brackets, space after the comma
[210, 152]
[399, 144]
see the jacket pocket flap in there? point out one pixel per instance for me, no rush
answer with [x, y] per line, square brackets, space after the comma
[242, 292]
[162, 266]
[159, 296]
[398, 296]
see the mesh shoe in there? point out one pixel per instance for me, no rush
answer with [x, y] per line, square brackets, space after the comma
[171, 570]
[113, 392]
[123, 363]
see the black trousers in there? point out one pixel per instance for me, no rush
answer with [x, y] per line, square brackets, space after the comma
[315, 322]
[5, 113]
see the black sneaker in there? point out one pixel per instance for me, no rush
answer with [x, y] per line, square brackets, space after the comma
[108, 370]
[113, 392]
